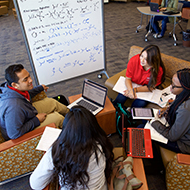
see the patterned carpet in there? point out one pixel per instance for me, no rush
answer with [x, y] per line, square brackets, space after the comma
[121, 21]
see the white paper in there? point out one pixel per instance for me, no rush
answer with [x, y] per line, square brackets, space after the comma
[48, 138]
[157, 96]
[162, 119]
[120, 85]
[155, 135]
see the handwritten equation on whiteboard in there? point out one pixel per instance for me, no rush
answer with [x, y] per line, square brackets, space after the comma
[65, 37]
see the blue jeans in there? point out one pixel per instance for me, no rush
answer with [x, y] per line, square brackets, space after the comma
[137, 103]
[164, 19]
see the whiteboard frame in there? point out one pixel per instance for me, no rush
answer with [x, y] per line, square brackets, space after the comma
[30, 55]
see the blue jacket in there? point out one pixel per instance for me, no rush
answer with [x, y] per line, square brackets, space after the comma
[17, 115]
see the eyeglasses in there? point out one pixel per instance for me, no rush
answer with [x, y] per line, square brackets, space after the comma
[174, 86]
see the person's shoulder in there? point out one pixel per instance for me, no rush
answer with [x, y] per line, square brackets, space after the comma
[185, 105]
[8, 95]
[135, 57]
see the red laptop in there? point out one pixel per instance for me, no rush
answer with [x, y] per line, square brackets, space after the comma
[137, 142]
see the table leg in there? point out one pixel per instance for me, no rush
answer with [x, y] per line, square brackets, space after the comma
[150, 28]
[140, 26]
[174, 36]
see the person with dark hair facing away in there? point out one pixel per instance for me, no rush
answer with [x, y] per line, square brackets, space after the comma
[18, 115]
[80, 158]
[177, 115]
[146, 69]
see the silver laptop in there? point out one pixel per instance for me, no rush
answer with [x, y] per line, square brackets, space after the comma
[154, 7]
[93, 97]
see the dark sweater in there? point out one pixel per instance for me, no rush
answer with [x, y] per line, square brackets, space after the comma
[180, 130]
[17, 115]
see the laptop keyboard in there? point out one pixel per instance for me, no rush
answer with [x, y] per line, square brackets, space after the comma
[138, 145]
[87, 105]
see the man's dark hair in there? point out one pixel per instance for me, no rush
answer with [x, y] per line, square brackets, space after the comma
[10, 73]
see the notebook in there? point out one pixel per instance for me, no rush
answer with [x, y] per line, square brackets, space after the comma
[139, 146]
[93, 97]
[154, 7]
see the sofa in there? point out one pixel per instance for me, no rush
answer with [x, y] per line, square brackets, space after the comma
[172, 64]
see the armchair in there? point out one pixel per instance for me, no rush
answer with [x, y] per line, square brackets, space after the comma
[4, 7]
[4, 3]
[177, 169]
[19, 157]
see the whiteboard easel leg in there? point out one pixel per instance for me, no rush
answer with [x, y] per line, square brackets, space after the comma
[103, 72]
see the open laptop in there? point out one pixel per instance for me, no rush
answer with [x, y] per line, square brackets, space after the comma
[136, 141]
[93, 97]
[154, 7]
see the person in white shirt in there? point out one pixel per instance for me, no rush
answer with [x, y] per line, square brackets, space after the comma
[80, 158]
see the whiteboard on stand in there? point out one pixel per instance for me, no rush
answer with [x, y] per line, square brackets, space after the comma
[64, 38]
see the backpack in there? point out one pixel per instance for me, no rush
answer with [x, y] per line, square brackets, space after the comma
[121, 111]
[122, 177]
[61, 99]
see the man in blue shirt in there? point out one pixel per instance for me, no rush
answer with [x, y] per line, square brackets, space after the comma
[18, 115]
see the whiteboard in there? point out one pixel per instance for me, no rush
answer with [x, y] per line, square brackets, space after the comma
[64, 38]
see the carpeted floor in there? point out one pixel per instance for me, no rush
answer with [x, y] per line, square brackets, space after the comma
[121, 21]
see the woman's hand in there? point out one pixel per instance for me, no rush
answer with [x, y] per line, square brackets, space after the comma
[130, 93]
[161, 112]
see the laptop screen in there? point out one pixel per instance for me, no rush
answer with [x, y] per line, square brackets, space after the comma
[94, 92]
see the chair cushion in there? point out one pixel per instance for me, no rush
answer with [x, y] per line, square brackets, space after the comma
[177, 175]
[20, 159]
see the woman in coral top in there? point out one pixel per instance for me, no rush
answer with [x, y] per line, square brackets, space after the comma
[146, 69]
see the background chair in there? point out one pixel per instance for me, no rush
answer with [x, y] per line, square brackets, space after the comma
[4, 7]
[180, 6]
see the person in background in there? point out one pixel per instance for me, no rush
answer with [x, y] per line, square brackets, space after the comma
[165, 5]
[18, 115]
[80, 158]
[146, 69]
[177, 115]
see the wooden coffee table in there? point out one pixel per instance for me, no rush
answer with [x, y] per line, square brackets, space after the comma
[105, 118]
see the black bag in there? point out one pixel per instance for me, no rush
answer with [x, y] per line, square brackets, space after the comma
[128, 120]
[171, 12]
[151, 28]
[61, 99]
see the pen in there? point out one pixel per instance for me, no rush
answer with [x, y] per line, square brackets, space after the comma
[133, 92]
[161, 99]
